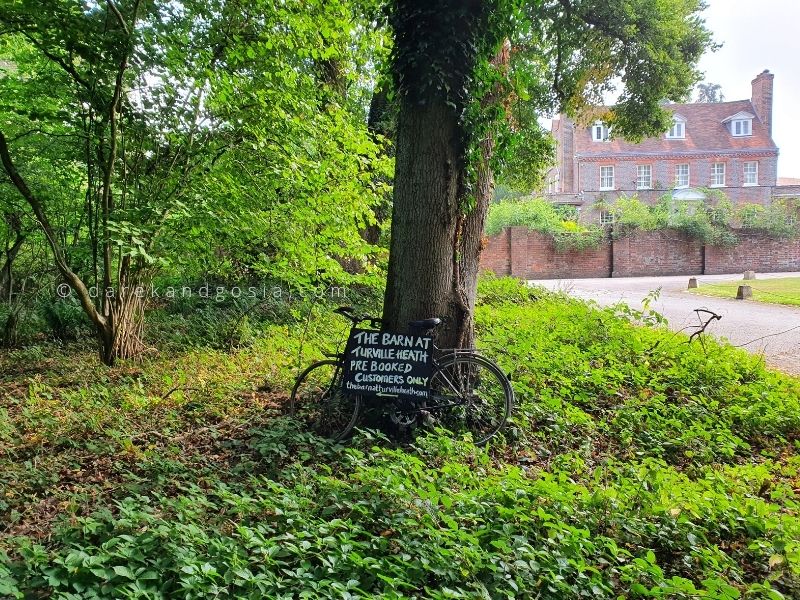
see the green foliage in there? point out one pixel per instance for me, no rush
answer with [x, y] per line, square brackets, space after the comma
[540, 215]
[778, 219]
[213, 159]
[494, 290]
[572, 55]
[65, 318]
[636, 465]
[712, 223]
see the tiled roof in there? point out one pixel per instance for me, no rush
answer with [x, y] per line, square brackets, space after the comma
[705, 132]
[788, 180]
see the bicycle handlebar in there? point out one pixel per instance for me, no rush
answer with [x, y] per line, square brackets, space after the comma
[349, 313]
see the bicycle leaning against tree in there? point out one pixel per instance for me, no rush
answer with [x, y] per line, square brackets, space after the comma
[460, 390]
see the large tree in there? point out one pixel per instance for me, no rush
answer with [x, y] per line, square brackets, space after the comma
[462, 70]
[710, 92]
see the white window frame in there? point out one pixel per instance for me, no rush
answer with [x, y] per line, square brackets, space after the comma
[677, 131]
[753, 172]
[717, 175]
[607, 178]
[678, 183]
[601, 132]
[606, 217]
[742, 127]
[644, 182]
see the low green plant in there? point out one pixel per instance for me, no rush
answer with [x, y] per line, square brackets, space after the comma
[636, 465]
[540, 215]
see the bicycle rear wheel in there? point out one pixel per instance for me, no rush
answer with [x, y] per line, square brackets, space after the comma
[318, 401]
[481, 392]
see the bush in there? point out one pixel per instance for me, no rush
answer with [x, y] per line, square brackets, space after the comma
[65, 318]
[709, 223]
[494, 290]
[540, 215]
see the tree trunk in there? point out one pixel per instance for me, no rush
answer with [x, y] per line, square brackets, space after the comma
[469, 247]
[6, 281]
[425, 215]
[471, 239]
[435, 246]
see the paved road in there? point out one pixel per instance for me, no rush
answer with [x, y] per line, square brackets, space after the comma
[742, 321]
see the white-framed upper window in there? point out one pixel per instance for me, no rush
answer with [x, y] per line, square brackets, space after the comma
[718, 174]
[742, 127]
[644, 177]
[751, 173]
[607, 178]
[678, 130]
[600, 132]
[606, 217]
[682, 176]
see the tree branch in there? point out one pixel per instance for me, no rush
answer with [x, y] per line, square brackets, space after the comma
[58, 252]
[118, 15]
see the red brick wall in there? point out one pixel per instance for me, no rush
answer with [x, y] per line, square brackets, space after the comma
[496, 256]
[657, 253]
[529, 254]
[754, 252]
[534, 256]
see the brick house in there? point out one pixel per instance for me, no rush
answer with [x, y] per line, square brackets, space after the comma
[725, 145]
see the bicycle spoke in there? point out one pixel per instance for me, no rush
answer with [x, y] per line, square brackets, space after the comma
[319, 402]
[480, 394]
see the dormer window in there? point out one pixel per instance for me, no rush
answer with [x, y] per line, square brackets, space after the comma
[600, 132]
[678, 129]
[740, 124]
[741, 127]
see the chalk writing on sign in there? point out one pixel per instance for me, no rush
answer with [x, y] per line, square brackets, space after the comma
[392, 364]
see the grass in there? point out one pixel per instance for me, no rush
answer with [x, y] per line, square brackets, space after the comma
[636, 466]
[780, 290]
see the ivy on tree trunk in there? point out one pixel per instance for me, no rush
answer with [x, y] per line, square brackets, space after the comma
[437, 46]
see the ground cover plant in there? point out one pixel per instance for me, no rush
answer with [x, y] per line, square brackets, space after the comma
[778, 290]
[637, 465]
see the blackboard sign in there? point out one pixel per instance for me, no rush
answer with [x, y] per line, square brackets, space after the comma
[384, 363]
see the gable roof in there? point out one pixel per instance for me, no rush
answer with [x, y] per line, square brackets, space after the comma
[705, 132]
[742, 114]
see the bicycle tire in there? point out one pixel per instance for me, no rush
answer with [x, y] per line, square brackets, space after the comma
[318, 401]
[487, 392]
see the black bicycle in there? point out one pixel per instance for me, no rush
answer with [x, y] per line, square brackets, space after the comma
[467, 392]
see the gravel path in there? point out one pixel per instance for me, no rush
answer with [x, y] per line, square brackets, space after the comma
[743, 322]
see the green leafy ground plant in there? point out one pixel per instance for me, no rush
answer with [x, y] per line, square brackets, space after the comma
[637, 465]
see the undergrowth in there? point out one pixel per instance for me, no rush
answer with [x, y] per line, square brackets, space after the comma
[636, 465]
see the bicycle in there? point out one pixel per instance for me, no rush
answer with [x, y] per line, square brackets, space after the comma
[467, 391]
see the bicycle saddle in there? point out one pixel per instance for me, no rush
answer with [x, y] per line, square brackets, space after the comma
[425, 323]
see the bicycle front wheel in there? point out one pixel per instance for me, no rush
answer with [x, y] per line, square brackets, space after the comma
[480, 394]
[318, 401]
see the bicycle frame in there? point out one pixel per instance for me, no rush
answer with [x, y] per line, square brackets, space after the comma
[441, 355]
[459, 378]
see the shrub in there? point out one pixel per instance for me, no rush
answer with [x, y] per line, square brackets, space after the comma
[65, 318]
[540, 215]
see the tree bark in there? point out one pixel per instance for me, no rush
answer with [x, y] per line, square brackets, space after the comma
[435, 245]
[6, 281]
[471, 238]
[425, 215]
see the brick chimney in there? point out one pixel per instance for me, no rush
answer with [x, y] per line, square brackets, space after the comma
[762, 98]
